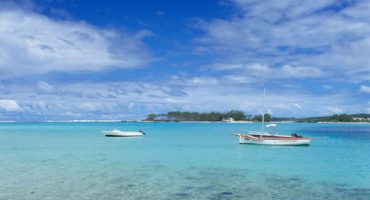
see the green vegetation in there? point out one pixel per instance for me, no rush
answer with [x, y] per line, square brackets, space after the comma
[239, 115]
[259, 118]
[151, 117]
[333, 118]
[196, 116]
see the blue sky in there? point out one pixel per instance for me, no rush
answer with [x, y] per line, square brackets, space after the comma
[65, 59]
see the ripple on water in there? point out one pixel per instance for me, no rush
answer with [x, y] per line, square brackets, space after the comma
[189, 183]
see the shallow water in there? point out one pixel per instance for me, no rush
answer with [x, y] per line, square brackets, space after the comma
[181, 161]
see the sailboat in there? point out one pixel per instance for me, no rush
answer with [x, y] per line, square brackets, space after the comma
[270, 137]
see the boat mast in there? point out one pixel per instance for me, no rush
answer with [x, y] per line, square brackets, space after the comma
[263, 114]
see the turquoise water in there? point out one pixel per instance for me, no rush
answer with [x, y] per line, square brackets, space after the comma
[181, 161]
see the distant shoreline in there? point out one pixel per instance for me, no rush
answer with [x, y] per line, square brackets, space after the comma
[237, 121]
[339, 122]
[235, 116]
[174, 121]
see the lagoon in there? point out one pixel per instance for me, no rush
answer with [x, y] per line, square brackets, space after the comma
[181, 161]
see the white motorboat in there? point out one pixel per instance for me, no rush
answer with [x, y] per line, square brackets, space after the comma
[119, 133]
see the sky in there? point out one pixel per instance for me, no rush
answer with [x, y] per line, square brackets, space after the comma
[108, 60]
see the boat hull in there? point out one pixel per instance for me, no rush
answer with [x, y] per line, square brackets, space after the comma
[277, 142]
[122, 134]
[274, 140]
[112, 135]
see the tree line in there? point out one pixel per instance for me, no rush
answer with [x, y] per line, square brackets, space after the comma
[333, 118]
[206, 116]
[336, 118]
[239, 116]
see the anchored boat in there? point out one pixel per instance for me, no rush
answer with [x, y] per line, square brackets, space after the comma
[269, 138]
[119, 133]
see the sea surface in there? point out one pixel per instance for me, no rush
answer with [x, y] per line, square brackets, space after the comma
[181, 161]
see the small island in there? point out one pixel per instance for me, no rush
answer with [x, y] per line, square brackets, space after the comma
[364, 118]
[240, 116]
[230, 116]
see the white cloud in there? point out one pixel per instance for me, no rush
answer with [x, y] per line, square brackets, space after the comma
[197, 81]
[304, 39]
[45, 87]
[134, 100]
[87, 106]
[258, 67]
[365, 89]
[279, 43]
[275, 10]
[131, 106]
[297, 105]
[335, 110]
[257, 70]
[33, 43]
[10, 105]
[299, 71]
[237, 78]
